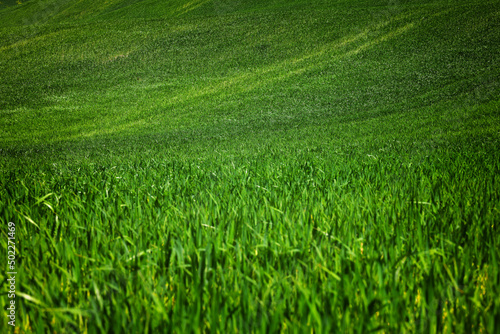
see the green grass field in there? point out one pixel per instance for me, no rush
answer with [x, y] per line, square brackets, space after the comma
[251, 166]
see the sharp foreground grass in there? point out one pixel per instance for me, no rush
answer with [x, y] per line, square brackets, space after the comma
[251, 166]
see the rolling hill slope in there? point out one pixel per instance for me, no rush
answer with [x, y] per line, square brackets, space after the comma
[340, 62]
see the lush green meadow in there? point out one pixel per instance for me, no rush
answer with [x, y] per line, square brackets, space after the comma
[251, 166]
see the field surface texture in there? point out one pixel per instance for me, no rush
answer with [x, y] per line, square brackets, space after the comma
[228, 166]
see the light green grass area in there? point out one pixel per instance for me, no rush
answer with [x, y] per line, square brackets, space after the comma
[251, 166]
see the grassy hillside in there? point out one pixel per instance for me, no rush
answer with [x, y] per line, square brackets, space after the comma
[251, 166]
